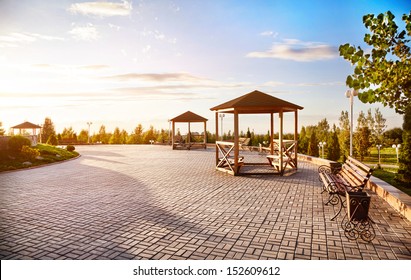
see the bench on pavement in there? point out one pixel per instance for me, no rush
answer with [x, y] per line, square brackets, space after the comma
[345, 187]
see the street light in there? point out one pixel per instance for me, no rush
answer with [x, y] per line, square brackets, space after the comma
[350, 94]
[379, 158]
[88, 133]
[321, 145]
[221, 117]
[396, 147]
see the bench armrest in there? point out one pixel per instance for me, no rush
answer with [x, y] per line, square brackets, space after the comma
[324, 169]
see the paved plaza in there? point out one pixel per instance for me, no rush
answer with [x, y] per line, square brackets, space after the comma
[150, 202]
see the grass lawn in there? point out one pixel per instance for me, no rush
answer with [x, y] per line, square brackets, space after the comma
[388, 158]
[48, 154]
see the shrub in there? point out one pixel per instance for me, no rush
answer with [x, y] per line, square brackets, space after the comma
[28, 153]
[17, 142]
[70, 148]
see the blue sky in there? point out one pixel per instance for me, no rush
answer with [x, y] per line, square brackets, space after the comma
[120, 63]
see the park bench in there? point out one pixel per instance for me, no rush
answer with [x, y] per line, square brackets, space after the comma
[345, 187]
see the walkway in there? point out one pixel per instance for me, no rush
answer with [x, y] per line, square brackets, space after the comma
[149, 202]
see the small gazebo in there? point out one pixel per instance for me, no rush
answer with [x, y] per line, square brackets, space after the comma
[188, 117]
[282, 153]
[29, 125]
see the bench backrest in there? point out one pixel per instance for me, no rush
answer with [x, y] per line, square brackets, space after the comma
[355, 172]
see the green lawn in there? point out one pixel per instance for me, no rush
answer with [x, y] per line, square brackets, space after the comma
[48, 154]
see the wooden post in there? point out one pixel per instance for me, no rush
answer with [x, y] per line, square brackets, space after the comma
[236, 146]
[296, 137]
[216, 137]
[205, 135]
[272, 134]
[280, 136]
[172, 134]
[189, 136]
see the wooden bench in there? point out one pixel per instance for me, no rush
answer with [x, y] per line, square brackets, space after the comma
[351, 177]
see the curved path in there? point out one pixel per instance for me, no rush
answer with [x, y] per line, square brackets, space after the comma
[149, 202]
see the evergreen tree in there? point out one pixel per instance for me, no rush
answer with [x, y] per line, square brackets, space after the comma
[404, 172]
[333, 147]
[313, 149]
[47, 130]
[102, 135]
[344, 134]
[303, 141]
[115, 137]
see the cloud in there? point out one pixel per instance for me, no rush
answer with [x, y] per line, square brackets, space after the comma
[158, 77]
[81, 67]
[102, 9]
[85, 33]
[269, 34]
[292, 49]
[15, 39]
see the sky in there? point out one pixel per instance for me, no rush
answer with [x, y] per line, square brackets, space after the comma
[122, 63]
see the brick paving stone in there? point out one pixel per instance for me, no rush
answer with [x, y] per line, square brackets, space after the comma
[149, 202]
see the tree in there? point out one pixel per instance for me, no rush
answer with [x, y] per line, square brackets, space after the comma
[68, 135]
[333, 147]
[404, 171]
[313, 145]
[344, 134]
[393, 136]
[2, 131]
[47, 130]
[136, 136]
[322, 130]
[384, 75]
[303, 141]
[379, 126]
[83, 136]
[103, 137]
[116, 137]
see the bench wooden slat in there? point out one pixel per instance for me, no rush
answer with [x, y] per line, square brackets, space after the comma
[359, 163]
[349, 174]
[359, 171]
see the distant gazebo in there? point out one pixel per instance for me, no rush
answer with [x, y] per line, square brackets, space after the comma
[282, 153]
[177, 141]
[29, 126]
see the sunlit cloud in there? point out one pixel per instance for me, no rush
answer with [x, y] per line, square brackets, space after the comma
[292, 49]
[85, 33]
[80, 67]
[157, 77]
[15, 39]
[102, 9]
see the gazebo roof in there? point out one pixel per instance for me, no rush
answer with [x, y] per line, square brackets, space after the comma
[257, 102]
[26, 125]
[189, 117]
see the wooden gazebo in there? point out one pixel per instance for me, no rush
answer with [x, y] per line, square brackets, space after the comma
[188, 117]
[28, 125]
[282, 153]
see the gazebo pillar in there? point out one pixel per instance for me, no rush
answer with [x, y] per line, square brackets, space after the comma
[280, 138]
[236, 145]
[205, 135]
[272, 134]
[216, 137]
[173, 134]
[296, 137]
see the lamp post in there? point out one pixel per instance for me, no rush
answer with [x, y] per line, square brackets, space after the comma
[221, 117]
[350, 94]
[379, 157]
[396, 147]
[321, 145]
[88, 133]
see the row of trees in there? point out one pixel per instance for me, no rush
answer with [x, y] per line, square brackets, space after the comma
[369, 132]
